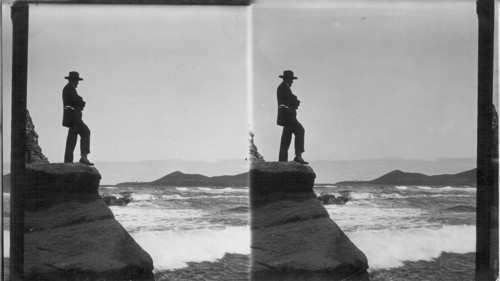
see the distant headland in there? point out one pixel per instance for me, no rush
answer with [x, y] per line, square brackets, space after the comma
[181, 179]
[397, 177]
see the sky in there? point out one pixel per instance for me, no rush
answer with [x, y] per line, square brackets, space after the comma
[160, 82]
[377, 79]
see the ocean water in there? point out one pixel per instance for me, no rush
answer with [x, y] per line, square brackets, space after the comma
[202, 233]
[179, 226]
[410, 232]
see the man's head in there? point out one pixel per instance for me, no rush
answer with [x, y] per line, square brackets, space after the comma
[74, 78]
[288, 77]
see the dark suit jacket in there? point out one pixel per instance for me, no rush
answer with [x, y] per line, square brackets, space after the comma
[286, 117]
[71, 98]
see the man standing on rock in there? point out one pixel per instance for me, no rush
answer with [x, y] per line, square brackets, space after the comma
[72, 118]
[287, 117]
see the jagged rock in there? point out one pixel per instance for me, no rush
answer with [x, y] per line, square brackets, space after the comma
[111, 200]
[293, 237]
[254, 155]
[70, 233]
[329, 199]
[34, 153]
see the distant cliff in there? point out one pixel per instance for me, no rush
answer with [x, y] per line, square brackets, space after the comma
[70, 233]
[293, 236]
[397, 177]
[186, 180]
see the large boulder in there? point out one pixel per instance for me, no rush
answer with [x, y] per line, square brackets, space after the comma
[70, 232]
[293, 237]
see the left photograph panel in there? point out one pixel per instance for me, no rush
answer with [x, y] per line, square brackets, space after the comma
[136, 143]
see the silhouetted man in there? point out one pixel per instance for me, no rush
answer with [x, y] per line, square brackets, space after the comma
[287, 117]
[72, 118]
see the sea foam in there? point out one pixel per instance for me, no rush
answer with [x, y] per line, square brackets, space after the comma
[173, 249]
[360, 196]
[449, 188]
[393, 196]
[142, 196]
[6, 243]
[390, 248]
[223, 190]
[369, 216]
[136, 217]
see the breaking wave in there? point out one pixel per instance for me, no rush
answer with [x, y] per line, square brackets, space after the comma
[390, 248]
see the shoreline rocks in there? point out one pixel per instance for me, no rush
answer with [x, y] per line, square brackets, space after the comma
[293, 237]
[112, 200]
[330, 199]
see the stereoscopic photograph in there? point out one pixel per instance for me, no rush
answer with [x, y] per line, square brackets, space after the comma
[249, 140]
[137, 142]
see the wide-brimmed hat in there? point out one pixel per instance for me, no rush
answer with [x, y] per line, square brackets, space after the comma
[73, 75]
[288, 74]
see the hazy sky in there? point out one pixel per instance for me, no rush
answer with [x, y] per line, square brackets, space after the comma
[376, 79]
[160, 82]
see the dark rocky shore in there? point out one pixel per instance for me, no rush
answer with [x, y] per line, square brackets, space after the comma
[230, 267]
[447, 267]
[329, 199]
[111, 200]
[293, 237]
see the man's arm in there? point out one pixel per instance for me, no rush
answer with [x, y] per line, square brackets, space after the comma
[72, 98]
[285, 96]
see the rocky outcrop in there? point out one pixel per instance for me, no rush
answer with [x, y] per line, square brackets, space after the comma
[293, 237]
[34, 153]
[330, 199]
[112, 200]
[70, 233]
[254, 156]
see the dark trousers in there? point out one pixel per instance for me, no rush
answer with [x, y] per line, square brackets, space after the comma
[286, 138]
[79, 129]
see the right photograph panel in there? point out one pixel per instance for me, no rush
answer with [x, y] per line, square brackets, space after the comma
[363, 140]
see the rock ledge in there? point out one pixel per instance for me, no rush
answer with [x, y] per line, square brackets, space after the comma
[271, 178]
[293, 237]
[71, 234]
